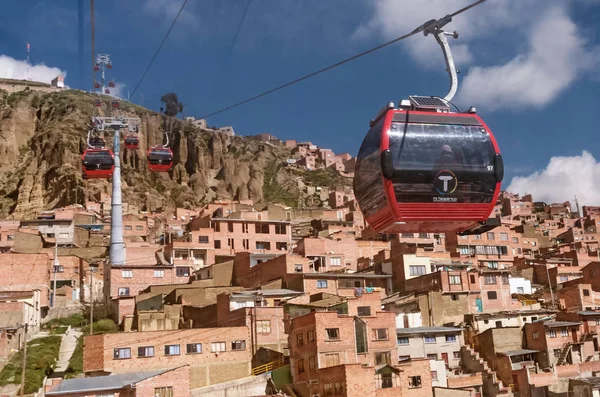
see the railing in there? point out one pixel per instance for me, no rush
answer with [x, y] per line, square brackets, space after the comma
[261, 369]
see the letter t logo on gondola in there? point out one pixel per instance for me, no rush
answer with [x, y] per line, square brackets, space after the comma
[445, 178]
[445, 182]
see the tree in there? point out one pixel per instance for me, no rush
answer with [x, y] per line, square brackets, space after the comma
[172, 105]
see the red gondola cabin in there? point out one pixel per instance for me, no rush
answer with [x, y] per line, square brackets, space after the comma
[98, 163]
[160, 159]
[424, 169]
[132, 142]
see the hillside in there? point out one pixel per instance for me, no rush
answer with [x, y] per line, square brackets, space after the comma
[42, 135]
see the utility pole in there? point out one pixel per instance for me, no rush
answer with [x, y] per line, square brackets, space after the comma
[93, 53]
[91, 300]
[24, 361]
[550, 285]
[55, 268]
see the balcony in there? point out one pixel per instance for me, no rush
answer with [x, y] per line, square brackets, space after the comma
[456, 381]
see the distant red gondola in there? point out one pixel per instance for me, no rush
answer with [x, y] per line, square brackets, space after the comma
[96, 84]
[111, 83]
[97, 163]
[107, 91]
[160, 159]
[132, 142]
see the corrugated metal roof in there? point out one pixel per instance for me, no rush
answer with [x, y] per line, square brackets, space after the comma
[97, 383]
[555, 324]
[427, 330]
[589, 313]
[519, 352]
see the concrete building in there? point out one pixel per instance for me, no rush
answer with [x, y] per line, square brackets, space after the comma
[433, 343]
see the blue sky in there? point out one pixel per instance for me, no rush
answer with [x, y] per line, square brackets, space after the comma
[532, 69]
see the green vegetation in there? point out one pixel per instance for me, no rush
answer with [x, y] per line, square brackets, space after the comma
[74, 320]
[42, 354]
[324, 177]
[61, 329]
[105, 326]
[15, 97]
[273, 191]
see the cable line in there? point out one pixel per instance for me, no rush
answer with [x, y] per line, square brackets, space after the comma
[159, 47]
[421, 28]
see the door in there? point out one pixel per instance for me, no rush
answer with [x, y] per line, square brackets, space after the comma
[479, 305]
[574, 333]
[445, 358]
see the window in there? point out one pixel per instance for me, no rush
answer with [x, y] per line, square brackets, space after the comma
[383, 358]
[504, 236]
[300, 366]
[321, 283]
[450, 338]
[59, 269]
[586, 292]
[499, 324]
[159, 273]
[504, 278]
[472, 279]
[415, 270]
[263, 326]
[408, 235]
[434, 375]
[454, 279]
[216, 347]
[332, 359]
[123, 291]
[364, 311]
[217, 244]
[380, 334]
[139, 228]
[414, 381]
[171, 350]
[263, 245]
[335, 261]
[552, 333]
[312, 362]
[490, 279]
[311, 335]
[492, 265]
[456, 355]
[299, 339]
[403, 358]
[122, 353]
[281, 246]
[491, 236]
[230, 227]
[261, 228]
[203, 239]
[454, 297]
[127, 227]
[520, 290]
[182, 271]
[231, 243]
[492, 295]
[564, 332]
[597, 321]
[298, 268]
[535, 335]
[432, 356]
[423, 235]
[429, 339]
[163, 391]
[238, 345]
[10, 237]
[403, 340]
[244, 227]
[563, 278]
[333, 333]
[126, 273]
[146, 351]
[193, 348]
[280, 229]
[515, 240]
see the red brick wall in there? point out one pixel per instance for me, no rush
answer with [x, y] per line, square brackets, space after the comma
[24, 272]
[238, 236]
[142, 278]
[93, 353]
[178, 379]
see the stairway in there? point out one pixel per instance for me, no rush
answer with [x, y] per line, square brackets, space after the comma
[563, 354]
[489, 376]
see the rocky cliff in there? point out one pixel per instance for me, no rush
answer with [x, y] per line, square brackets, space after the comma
[42, 136]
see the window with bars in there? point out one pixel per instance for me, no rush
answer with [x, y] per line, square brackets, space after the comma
[122, 353]
[489, 279]
[455, 280]
[127, 273]
[263, 326]
[417, 270]
[217, 347]
[238, 345]
[166, 391]
[203, 239]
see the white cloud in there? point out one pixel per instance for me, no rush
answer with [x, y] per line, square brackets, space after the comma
[556, 57]
[168, 10]
[563, 178]
[11, 68]
[118, 91]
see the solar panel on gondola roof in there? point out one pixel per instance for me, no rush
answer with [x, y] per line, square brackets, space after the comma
[426, 102]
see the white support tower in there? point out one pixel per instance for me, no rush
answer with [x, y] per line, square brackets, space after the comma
[117, 243]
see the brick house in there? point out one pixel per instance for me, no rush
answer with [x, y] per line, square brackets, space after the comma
[214, 355]
[8, 230]
[432, 343]
[169, 382]
[493, 249]
[26, 272]
[559, 342]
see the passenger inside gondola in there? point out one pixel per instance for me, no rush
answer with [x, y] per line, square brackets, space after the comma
[446, 157]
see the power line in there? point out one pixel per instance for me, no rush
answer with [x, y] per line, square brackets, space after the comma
[379, 47]
[160, 47]
[237, 33]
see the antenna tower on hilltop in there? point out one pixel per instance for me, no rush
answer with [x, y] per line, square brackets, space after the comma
[102, 63]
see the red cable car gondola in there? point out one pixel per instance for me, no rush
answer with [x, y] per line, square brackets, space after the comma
[111, 83]
[132, 142]
[422, 168]
[96, 68]
[160, 159]
[107, 91]
[109, 65]
[96, 84]
[97, 163]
